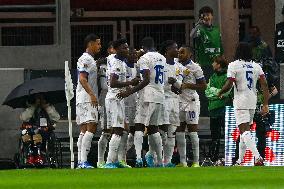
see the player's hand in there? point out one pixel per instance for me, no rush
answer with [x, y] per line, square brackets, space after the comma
[186, 86]
[172, 80]
[94, 101]
[219, 95]
[176, 90]
[123, 94]
[135, 81]
[264, 110]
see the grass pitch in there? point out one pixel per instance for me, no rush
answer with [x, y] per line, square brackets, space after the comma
[145, 178]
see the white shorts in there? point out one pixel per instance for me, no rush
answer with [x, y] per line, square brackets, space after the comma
[115, 112]
[244, 116]
[189, 112]
[171, 115]
[130, 115]
[150, 113]
[86, 113]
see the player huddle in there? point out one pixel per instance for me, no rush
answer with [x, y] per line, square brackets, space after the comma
[146, 92]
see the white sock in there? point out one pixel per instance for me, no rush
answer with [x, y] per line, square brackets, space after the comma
[102, 144]
[242, 150]
[86, 145]
[181, 146]
[138, 141]
[250, 143]
[157, 146]
[113, 148]
[130, 141]
[164, 137]
[122, 147]
[79, 145]
[195, 146]
[169, 148]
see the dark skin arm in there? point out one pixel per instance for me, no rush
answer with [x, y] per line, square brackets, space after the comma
[84, 82]
[114, 83]
[200, 85]
[228, 85]
[141, 85]
[266, 95]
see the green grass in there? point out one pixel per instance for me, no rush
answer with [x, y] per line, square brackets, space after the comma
[205, 177]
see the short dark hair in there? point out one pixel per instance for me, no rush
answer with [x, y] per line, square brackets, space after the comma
[148, 42]
[222, 61]
[205, 9]
[244, 52]
[119, 42]
[188, 48]
[165, 45]
[110, 44]
[89, 38]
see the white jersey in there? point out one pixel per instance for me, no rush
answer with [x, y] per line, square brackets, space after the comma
[192, 72]
[245, 76]
[117, 67]
[131, 73]
[155, 62]
[86, 64]
[172, 70]
[103, 77]
[108, 67]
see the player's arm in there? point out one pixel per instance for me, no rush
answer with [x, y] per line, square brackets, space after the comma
[83, 79]
[228, 85]
[114, 83]
[266, 95]
[145, 81]
[272, 91]
[200, 85]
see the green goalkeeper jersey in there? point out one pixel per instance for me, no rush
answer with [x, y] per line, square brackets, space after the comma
[208, 44]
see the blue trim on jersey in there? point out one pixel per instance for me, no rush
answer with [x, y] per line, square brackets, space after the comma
[83, 71]
[200, 79]
[129, 65]
[171, 62]
[115, 75]
[120, 58]
[142, 71]
[188, 62]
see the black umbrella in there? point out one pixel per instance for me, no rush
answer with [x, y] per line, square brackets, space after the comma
[53, 88]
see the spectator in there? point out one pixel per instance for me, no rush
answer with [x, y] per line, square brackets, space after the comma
[207, 40]
[38, 123]
[260, 49]
[216, 105]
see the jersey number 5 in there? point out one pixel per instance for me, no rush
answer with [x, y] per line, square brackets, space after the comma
[249, 79]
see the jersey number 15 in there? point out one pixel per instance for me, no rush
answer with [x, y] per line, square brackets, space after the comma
[249, 78]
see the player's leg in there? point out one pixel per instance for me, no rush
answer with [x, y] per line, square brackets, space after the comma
[174, 123]
[106, 132]
[117, 117]
[102, 144]
[87, 118]
[181, 141]
[244, 118]
[192, 119]
[139, 131]
[130, 139]
[154, 117]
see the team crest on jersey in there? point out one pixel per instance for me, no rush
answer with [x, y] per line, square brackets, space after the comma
[186, 72]
[177, 71]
